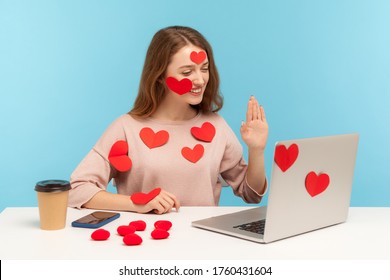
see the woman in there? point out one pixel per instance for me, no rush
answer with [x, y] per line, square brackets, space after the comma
[173, 138]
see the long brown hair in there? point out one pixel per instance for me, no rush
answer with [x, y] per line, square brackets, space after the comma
[165, 43]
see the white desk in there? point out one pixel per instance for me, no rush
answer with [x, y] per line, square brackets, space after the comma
[365, 235]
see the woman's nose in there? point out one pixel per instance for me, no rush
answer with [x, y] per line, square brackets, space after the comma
[198, 80]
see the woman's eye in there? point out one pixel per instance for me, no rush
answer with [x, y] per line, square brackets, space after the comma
[186, 73]
[205, 69]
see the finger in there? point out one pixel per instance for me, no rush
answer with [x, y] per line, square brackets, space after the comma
[243, 127]
[249, 112]
[167, 203]
[262, 114]
[176, 202]
[255, 109]
[158, 208]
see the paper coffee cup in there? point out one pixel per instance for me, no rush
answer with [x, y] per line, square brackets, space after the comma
[52, 203]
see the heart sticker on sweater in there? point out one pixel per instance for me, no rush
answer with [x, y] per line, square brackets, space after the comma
[198, 57]
[152, 139]
[204, 133]
[118, 156]
[143, 198]
[316, 184]
[180, 87]
[193, 155]
[284, 157]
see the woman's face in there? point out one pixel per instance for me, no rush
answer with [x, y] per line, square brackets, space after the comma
[191, 63]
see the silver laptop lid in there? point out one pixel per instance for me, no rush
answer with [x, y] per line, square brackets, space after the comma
[311, 184]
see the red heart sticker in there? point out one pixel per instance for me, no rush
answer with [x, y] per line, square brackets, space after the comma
[284, 157]
[180, 87]
[124, 230]
[198, 57]
[159, 234]
[132, 239]
[316, 184]
[163, 224]
[138, 225]
[100, 234]
[193, 155]
[143, 198]
[118, 156]
[152, 139]
[204, 133]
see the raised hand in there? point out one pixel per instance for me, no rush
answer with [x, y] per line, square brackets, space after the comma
[254, 131]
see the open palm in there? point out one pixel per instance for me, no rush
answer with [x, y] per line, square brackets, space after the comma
[254, 131]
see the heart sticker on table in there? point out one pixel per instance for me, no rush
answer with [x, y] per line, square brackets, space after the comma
[143, 198]
[100, 235]
[132, 239]
[193, 155]
[163, 224]
[204, 133]
[198, 57]
[152, 139]
[139, 225]
[124, 230]
[159, 234]
[284, 157]
[180, 87]
[118, 156]
[316, 184]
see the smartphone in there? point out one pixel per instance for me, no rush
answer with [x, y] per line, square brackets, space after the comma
[95, 219]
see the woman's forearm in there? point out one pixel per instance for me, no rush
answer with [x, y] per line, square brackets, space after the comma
[255, 175]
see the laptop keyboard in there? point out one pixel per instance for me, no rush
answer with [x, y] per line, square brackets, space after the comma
[256, 226]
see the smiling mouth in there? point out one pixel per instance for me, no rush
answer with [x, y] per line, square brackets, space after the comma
[196, 90]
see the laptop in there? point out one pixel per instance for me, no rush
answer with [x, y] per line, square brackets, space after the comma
[310, 189]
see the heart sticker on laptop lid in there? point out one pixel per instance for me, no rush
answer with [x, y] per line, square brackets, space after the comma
[316, 184]
[285, 157]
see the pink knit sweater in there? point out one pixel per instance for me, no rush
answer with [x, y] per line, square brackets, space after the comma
[192, 176]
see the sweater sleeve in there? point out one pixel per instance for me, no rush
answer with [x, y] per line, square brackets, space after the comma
[233, 169]
[95, 172]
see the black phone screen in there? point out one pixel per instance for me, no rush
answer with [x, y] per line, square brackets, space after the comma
[96, 217]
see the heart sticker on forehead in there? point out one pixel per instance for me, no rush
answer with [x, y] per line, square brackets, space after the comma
[198, 57]
[180, 87]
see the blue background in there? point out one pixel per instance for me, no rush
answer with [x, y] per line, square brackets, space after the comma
[69, 68]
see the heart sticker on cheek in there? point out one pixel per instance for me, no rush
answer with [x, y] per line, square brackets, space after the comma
[284, 157]
[143, 198]
[180, 87]
[198, 57]
[118, 156]
[316, 184]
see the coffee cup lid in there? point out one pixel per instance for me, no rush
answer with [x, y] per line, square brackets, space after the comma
[52, 186]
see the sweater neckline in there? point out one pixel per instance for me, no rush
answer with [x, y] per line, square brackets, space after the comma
[161, 122]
